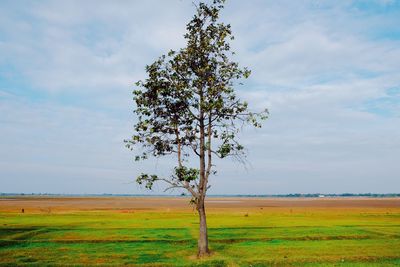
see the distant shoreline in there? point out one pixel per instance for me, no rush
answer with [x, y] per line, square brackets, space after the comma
[296, 195]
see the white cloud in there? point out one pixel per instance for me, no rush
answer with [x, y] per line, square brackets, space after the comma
[74, 46]
[315, 65]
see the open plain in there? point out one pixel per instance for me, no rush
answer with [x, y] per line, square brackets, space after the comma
[162, 231]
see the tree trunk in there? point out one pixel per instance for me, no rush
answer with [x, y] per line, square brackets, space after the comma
[203, 236]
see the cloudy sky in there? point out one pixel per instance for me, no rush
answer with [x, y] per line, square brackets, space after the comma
[327, 70]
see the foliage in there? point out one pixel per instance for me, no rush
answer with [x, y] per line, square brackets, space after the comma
[187, 106]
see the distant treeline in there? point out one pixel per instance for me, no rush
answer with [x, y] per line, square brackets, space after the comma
[372, 195]
[328, 195]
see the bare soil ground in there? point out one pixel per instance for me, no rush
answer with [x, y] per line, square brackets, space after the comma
[38, 204]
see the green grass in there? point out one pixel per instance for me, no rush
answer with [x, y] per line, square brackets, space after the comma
[273, 237]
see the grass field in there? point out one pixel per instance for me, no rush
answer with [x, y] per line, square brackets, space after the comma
[241, 236]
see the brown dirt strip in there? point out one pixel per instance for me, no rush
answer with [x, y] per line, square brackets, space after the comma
[126, 204]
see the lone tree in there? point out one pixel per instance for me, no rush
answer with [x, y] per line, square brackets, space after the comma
[187, 107]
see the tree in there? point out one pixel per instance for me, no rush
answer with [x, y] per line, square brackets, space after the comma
[187, 107]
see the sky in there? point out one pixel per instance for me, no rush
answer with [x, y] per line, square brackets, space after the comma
[328, 71]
